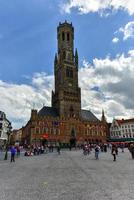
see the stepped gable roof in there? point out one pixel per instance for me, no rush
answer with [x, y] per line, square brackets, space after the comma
[48, 111]
[89, 116]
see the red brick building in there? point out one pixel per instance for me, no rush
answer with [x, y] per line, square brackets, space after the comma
[65, 121]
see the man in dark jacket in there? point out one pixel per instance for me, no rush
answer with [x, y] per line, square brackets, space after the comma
[114, 151]
[58, 148]
[132, 150]
[13, 151]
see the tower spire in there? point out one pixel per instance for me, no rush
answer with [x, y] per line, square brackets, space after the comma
[103, 118]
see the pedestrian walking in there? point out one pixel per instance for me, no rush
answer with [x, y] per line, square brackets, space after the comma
[58, 148]
[18, 151]
[89, 151]
[122, 147]
[105, 147]
[13, 152]
[114, 152]
[97, 151]
[131, 149]
[85, 149]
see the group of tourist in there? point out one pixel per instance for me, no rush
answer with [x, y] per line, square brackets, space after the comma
[33, 150]
[37, 149]
[87, 148]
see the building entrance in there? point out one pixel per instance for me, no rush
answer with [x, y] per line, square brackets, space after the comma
[73, 138]
[44, 142]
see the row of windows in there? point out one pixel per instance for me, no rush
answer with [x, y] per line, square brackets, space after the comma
[123, 126]
[54, 131]
[65, 36]
[71, 94]
[127, 126]
[57, 131]
[47, 123]
[117, 133]
[124, 135]
[114, 128]
[127, 130]
[94, 126]
[94, 133]
[124, 131]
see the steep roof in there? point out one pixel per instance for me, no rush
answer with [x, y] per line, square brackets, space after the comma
[123, 121]
[88, 115]
[52, 112]
[48, 111]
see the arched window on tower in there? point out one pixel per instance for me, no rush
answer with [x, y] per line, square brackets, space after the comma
[63, 36]
[64, 55]
[69, 56]
[71, 111]
[68, 36]
[69, 72]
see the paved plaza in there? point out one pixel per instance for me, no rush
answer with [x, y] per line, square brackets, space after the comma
[69, 176]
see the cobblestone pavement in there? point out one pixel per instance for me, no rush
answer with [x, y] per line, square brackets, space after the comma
[69, 176]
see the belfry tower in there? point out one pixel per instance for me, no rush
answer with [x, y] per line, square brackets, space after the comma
[67, 95]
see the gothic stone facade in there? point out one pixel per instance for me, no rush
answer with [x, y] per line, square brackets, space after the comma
[65, 119]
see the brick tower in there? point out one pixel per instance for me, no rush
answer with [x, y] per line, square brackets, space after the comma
[67, 95]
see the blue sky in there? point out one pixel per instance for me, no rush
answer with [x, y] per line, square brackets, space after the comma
[104, 37]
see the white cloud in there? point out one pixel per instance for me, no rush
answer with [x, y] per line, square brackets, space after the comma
[87, 6]
[113, 79]
[18, 100]
[107, 83]
[128, 30]
[115, 40]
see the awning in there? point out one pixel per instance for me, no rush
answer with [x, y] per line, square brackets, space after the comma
[120, 140]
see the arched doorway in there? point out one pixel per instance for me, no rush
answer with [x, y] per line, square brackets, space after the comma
[73, 138]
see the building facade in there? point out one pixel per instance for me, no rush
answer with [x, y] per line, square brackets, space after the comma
[65, 121]
[4, 128]
[16, 136]
[122, 130]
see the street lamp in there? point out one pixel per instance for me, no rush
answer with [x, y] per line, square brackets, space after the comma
[9, 128]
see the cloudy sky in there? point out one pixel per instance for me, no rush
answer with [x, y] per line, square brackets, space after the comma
[104, 37]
